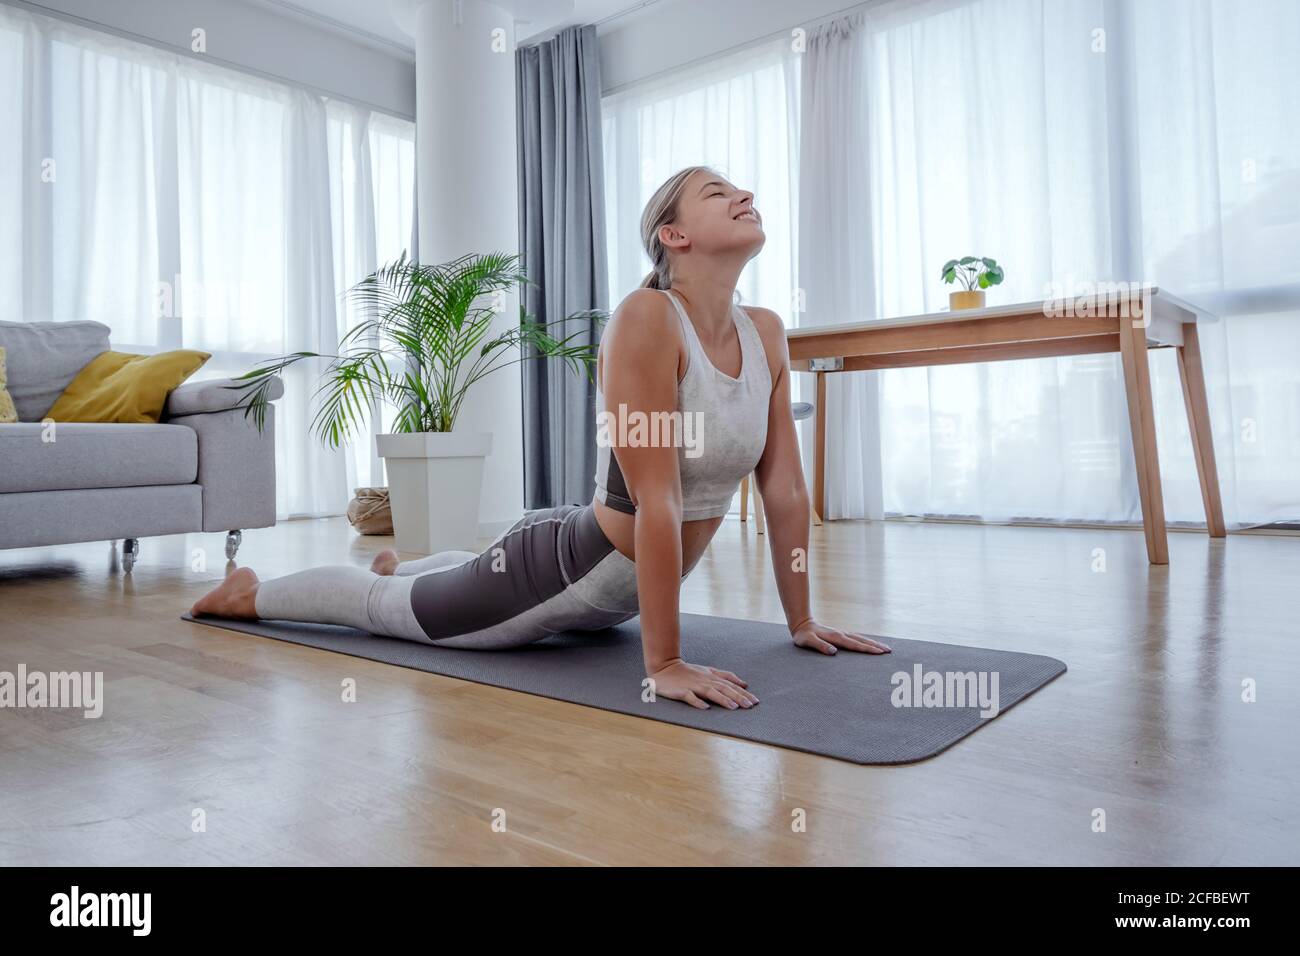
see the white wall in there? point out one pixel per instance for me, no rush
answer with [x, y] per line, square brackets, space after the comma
[266, 40]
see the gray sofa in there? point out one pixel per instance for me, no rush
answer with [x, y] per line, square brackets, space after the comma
[204, 467]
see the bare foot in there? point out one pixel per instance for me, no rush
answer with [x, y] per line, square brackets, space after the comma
[236, 596]
[385, 562]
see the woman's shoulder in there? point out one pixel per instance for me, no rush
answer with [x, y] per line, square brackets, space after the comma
[771, 332]
[645, 301]
[644, 332]
[643, 315]
[766, 321]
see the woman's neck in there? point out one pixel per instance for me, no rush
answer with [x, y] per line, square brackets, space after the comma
[709, 299]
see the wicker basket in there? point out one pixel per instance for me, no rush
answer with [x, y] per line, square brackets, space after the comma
[369, 512]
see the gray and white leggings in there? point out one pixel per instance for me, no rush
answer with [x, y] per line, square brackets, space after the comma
[553, 571]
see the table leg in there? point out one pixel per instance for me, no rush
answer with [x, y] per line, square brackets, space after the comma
[819, 453]
[1142, 424]
[1192, 375]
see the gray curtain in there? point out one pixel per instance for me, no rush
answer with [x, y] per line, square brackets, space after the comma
[562, 249]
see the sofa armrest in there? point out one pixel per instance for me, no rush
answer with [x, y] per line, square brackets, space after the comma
[214, 395]
[236, 468]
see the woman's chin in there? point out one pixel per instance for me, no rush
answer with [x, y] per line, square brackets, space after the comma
[746, 239]
[755, 241]
[748, 232]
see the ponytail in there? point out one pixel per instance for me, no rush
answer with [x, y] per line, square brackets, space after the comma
[660, 210]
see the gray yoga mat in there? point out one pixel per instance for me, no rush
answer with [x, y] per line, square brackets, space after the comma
[837, 706]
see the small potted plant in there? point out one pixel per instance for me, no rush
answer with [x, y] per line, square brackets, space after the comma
[975, 274]
[429, 338]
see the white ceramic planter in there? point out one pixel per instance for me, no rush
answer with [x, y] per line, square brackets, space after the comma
[435, 481]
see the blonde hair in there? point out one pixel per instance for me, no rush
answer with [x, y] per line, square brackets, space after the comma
[661, 209]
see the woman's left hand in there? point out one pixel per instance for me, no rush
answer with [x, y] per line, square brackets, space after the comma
[817, 637]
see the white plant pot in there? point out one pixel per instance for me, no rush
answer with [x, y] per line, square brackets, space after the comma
[435, 481]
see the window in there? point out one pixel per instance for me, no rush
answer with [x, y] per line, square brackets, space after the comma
[188, 205]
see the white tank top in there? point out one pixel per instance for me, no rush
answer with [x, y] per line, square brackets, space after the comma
[719, 428]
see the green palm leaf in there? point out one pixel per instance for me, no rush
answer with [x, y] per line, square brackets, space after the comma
[430, 332]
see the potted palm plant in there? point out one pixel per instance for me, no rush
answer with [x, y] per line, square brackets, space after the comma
[975, 274]
[428, 338]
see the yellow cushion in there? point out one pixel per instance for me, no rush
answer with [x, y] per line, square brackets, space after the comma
[120, 387]
[7, 411]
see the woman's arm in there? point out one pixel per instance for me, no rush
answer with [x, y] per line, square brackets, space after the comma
[785, 500]
[639, 373]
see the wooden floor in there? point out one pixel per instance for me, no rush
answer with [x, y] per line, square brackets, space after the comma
[1148, 725]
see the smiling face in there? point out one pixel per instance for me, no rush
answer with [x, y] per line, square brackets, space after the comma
[714, 216]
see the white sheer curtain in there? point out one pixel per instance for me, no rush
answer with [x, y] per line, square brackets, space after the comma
[372, 188]
[1080, 141]
[187, 205]
[836, 262]
[738, 114]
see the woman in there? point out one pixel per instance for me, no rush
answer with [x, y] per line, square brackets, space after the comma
[681, 355]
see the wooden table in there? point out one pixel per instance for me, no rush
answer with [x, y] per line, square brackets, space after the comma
[1129, 323]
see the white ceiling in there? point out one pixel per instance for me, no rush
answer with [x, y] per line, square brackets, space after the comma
[373, 20]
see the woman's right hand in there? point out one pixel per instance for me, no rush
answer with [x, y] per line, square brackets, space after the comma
[694, 684]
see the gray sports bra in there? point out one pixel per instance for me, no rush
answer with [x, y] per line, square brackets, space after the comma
[719, 427]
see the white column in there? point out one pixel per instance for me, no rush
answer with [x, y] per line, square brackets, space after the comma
[466, 181]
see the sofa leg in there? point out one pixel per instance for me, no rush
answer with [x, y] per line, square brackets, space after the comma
[233, 540]
[130, 551]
